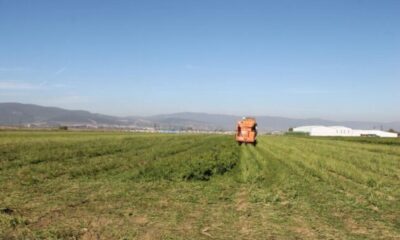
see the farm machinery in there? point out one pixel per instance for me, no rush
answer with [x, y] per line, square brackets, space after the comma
[246, 131]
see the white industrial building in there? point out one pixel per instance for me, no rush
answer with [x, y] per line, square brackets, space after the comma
[340, 131]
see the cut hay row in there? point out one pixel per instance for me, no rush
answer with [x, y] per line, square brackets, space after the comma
[73, 185]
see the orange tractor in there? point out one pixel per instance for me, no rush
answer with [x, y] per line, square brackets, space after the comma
[246, 131]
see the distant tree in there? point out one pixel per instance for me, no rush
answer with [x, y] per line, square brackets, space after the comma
[64, 128]
[290, 129]
[392, 130]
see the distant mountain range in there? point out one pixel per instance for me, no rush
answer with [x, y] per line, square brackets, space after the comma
[12, 114]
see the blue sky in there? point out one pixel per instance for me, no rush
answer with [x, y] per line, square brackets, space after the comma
[337, 59]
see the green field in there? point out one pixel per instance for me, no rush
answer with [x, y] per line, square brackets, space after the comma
[92, 185]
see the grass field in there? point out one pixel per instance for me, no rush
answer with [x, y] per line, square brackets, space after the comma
[88, 185]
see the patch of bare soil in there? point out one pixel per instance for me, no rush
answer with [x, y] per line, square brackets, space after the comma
[48, 218]
[354, 227]
[152, 231]
[141, 220]
[302, 229]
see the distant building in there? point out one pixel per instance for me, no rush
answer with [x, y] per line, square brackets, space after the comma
[340, 131]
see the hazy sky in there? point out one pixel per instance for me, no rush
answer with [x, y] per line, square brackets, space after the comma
[333, 59]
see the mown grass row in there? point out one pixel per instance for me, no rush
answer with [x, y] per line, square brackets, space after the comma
[342, 190]
[73, 185]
